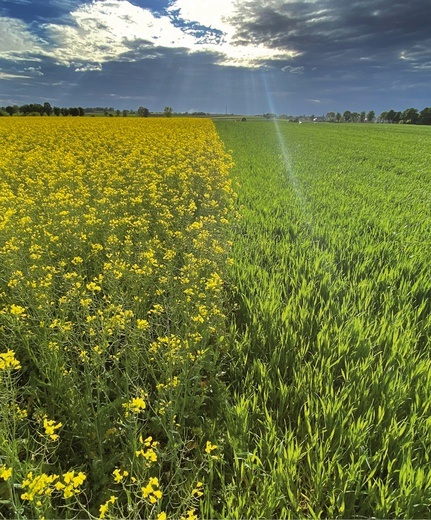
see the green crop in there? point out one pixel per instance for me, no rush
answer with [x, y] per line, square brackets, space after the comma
[330, 376]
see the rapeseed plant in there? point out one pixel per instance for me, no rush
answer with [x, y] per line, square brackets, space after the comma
[101, 223]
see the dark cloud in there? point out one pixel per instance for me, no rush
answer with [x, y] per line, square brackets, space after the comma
[329, 30]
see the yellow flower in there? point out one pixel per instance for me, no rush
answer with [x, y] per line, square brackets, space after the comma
[50, 427]
[92, 286]
[151, 492]
[103, 509]
[118, 475]
[210, 447]
[17, 310]
[197, 491]
[150, 455]
[142, 324]
[8, 360]
[135, 405]
[37, 485]
[5, 473]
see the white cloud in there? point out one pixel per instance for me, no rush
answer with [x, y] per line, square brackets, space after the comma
[87, 68]
[16, 40]
[6, 75]
[217, 14]
[34, 71]
[116, 30]
[293, 70]
[107, 30]
[110, 29]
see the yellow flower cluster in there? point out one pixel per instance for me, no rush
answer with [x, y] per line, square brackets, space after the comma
[8, 361]
[143, 202]
[45, 485]
[197, 491]
[148, 451]
[50, 427]
[209, 447]
[190, 515]
[151, 491]
[5, 472]
[119, 475]
[17, 310]
[103, 509]
[136, 405]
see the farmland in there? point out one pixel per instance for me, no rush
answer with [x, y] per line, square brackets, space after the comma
[113, 251]
[183, 336]
[331, 371]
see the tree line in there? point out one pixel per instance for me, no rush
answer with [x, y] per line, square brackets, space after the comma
[410, 116]
[37, 109]
[41, 110]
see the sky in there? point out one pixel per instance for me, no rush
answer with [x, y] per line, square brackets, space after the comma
[237, 56]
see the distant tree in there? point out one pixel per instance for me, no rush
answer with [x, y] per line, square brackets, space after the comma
[64, 111]
[390, 116]
[338, 117]
[10, 110]
[47, 108]
[33, 107]
[347, 116]
[125, 112]
[168, 111]
[330, 116]
[363, 116]
[74, 111]
[383, 117]
[81, 111]
[397, 117]
[371, 116]
[143, 112]
[24, 109]
[118, 113]
[424, 116]
[410, 116]
[56, 111]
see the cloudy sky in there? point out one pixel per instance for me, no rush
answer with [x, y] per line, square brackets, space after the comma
[243, 56]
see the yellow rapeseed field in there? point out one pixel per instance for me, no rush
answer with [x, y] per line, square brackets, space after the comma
[113, 252]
